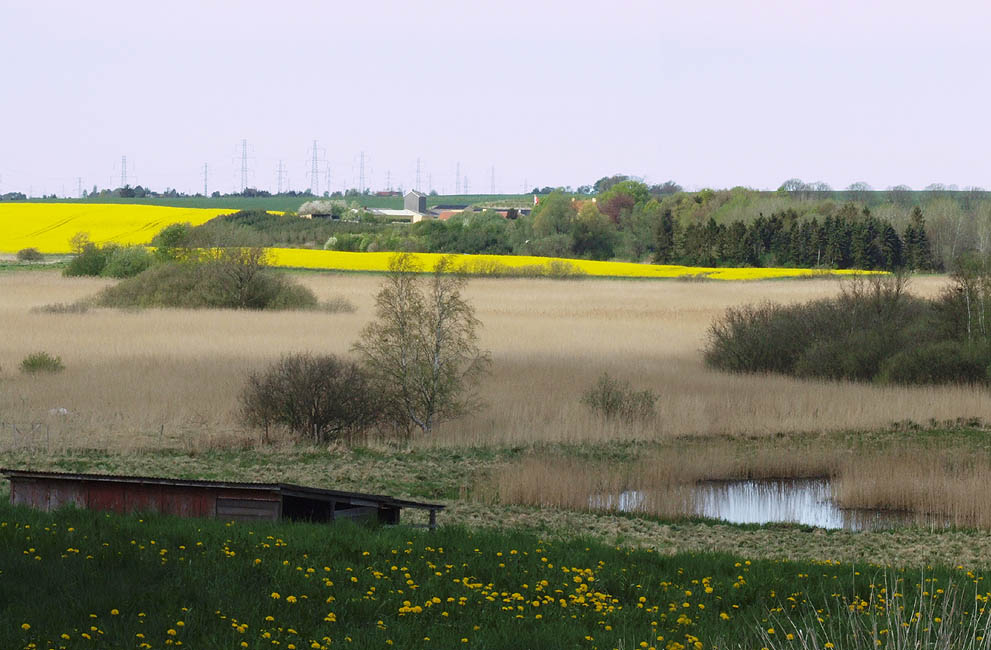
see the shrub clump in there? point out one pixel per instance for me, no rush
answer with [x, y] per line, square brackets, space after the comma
[90, 260]
[109, 260]
[61, 308]
[29, 255]
[873, 331]
[323, 398]
[127, 262]
[41, 362]
[232, 279]
[943, 362]
[612, 398]
[338, 305]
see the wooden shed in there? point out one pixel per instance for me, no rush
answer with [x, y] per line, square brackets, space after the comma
[196, 498]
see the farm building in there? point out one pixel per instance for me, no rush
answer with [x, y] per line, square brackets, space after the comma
[415, 202]
[197, 498]
[399, 215]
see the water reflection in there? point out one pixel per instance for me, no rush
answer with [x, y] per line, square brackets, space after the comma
[807, 502]
[800, 501]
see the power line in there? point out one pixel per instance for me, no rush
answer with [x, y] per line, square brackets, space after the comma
[123, 171]
[457, 178]
[315, 172]
[205, 193]
[244, 164]
[361, 174]
[417, 188]
[79, 189]
[279, 175]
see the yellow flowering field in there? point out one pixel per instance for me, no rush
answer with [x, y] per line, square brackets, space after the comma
[49, 226]
[530, 266]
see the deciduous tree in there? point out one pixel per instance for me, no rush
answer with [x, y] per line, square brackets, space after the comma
[422, 350]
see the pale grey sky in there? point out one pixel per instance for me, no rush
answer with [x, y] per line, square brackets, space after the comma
[715, 94]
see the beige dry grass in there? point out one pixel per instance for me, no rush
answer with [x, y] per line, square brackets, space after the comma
[175, 375]
[946, 485]
[664, 477]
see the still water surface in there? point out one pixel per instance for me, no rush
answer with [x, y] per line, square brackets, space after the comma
[799, 501]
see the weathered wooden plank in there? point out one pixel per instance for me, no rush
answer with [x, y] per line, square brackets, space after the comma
[355, 513]
[247, 508]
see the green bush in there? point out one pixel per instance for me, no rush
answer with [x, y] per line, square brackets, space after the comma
[612, 398]
[938, 363]
[758, 338]
[857, 355]
[91, 260]
[171, 241]
[41, 362]
[846, 337]
[127, 261]
[29, 255]
[224, 283]
[558, 245]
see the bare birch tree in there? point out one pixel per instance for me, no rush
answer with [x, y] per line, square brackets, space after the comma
[422, 350]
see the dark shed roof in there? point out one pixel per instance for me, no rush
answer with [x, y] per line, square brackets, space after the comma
[332, 500]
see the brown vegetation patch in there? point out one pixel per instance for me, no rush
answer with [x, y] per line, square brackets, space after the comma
[135, 373]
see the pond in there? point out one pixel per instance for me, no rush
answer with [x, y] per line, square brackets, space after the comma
[806, 502]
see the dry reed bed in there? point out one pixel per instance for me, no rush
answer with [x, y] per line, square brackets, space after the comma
[173, 375]
[949, 485]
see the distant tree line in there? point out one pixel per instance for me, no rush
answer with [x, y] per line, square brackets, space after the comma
[622, 217]
[849, 239]
[625, 222]
[139, 192]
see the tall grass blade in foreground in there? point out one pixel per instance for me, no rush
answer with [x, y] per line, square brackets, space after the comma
[895, 615]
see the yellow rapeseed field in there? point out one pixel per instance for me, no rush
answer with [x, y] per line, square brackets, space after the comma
[49, 226]
[528, 265]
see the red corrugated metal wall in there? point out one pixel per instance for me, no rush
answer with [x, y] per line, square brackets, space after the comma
[132, 497]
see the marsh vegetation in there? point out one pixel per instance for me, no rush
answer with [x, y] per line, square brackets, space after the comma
[130, 375]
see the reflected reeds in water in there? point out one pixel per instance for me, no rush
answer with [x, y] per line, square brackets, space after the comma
[807, 502]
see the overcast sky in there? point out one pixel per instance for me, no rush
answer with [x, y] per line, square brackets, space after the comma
[711, 94]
